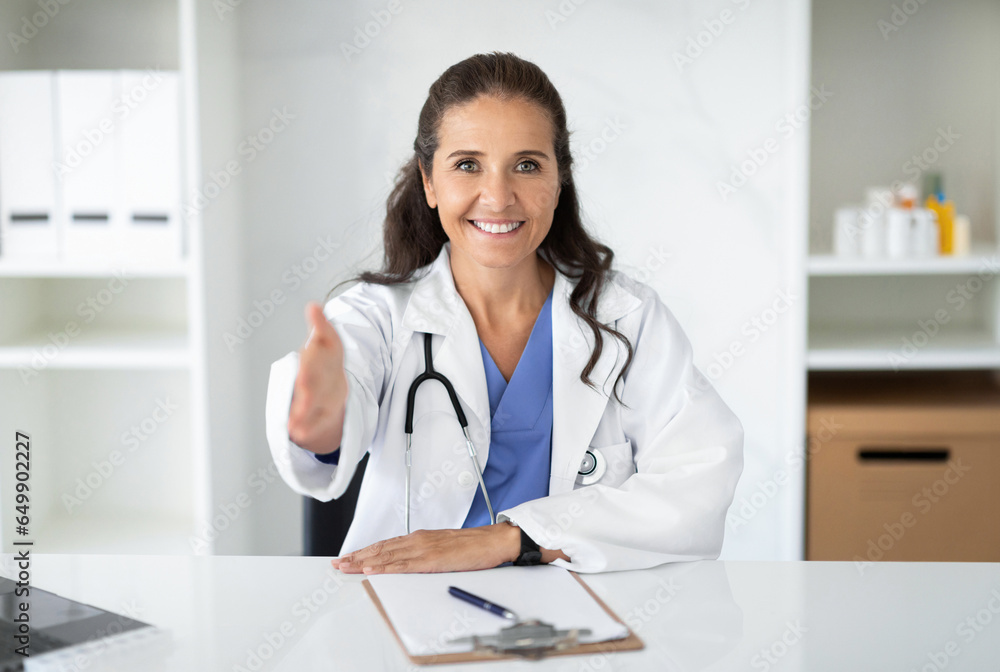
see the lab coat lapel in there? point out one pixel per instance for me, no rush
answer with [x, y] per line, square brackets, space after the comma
[576, 407]
[436, 307]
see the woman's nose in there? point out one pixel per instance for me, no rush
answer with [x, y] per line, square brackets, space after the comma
[497, 192]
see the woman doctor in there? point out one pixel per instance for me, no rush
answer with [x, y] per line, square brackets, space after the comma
[601, 447]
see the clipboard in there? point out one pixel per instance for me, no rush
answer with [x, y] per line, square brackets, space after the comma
[630, 642]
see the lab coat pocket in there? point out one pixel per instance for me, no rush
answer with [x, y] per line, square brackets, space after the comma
[614, 464]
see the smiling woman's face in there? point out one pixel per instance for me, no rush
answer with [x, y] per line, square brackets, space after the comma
[494, 168]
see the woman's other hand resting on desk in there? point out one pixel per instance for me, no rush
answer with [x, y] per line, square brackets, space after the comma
[319, 398]
[441, 551]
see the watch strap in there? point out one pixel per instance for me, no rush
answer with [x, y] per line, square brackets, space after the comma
[530, 554]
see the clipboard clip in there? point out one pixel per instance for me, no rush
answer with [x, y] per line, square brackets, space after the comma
[530, 639]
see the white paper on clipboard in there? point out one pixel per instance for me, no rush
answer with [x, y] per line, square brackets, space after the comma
[427, 617]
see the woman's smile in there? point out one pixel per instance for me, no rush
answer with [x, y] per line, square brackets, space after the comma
[497, 227]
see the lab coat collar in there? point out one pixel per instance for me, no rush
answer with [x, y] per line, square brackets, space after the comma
[435, 306]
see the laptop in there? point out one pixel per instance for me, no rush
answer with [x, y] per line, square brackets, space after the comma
[61, 629]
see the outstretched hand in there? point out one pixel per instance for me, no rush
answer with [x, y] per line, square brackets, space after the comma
[319, 399]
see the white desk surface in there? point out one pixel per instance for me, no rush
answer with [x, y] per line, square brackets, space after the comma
[301, 615]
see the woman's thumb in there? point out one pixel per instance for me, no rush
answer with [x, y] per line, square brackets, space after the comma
[317, 320]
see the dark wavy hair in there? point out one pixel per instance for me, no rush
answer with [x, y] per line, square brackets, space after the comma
[413, 234]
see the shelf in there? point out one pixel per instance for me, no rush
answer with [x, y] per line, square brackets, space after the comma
[101, 348]
[855, 349]
[53, 269]
[134, 379]
[980, 259]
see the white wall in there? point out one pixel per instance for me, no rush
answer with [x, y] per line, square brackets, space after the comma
[651, 192]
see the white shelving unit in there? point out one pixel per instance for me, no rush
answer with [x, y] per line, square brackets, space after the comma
[896, 314]
[940, 313]
[17, 269]
[110, 385]
[892, 315]
[980, 258]
[121, 348]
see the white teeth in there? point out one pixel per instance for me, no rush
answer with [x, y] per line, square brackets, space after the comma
[496, 228]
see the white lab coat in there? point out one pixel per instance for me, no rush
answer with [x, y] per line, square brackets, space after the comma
[673, 456]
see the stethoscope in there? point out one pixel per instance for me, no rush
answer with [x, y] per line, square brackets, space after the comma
[592, 467]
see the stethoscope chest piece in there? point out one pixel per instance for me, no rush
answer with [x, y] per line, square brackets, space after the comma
[592, 467]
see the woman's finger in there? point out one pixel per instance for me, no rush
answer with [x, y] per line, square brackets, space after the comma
[407, 548]
[425, 551]
[379, 547]
[397, 567]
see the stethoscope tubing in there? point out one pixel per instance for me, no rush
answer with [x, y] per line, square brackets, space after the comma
[592, 475]
[411, 396]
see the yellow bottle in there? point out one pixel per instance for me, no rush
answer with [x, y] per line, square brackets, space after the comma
[945, 210]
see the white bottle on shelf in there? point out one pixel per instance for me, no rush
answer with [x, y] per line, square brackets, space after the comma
[872, 222]
[897, 233]
[924, 235]
[872, 235]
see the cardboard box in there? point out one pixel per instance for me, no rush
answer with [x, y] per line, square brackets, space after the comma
[903, 466]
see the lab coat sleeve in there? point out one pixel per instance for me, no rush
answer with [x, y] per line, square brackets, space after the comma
[688, 452]
[361, 321]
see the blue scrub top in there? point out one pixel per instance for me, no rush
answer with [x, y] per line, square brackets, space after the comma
[520, 458]
[521, 427]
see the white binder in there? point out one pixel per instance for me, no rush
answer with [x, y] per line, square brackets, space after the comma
[86, 152]
[149, 165]
[28, 209]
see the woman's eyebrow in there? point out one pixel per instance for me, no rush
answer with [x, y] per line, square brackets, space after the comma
[472, 152]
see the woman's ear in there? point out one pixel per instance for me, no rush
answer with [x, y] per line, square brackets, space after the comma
[428, 187]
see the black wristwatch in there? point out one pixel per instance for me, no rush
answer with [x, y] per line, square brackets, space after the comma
[531, 554]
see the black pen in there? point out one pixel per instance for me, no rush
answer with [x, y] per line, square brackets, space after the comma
[481, 603]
